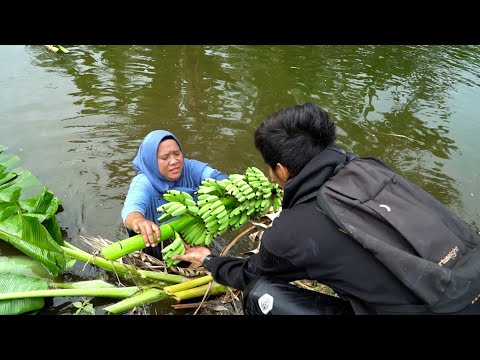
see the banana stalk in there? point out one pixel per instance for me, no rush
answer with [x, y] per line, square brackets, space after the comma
[198, 291]
[170, 290]
[122, 269]
[117, 293]
[143, 298]
[121, 248]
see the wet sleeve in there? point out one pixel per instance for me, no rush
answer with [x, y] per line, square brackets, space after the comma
[212, 173]
[278, 256]
[137, 198]
[237, 273]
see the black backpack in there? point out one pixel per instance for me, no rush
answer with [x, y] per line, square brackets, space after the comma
[430, 249]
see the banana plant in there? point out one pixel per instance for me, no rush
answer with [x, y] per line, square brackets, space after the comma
[31, 224]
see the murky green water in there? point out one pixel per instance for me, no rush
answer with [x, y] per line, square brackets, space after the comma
[76, 119]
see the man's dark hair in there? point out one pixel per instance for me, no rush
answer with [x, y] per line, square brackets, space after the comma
[294, 135]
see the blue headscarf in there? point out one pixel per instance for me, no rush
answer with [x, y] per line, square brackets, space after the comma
[146, 163]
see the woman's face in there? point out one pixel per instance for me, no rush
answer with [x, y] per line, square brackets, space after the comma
[170, 160]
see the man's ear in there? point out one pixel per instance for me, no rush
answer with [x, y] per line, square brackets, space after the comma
[282, 172]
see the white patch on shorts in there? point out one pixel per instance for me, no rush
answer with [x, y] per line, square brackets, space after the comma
[266, 303]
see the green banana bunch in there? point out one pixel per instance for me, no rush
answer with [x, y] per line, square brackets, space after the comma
[222, 205]
[175, 248]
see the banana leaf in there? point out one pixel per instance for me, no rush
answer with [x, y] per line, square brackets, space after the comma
[28, 235]
[11, 194]
[44, 203]
[30, 225]
[9, 160]
[16, 283]
[25, 179]
[23, 268]
[5, 177]
[53, 229]
[7, 209]
[24, 265]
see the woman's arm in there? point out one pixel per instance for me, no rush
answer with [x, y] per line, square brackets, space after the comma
[136, 207]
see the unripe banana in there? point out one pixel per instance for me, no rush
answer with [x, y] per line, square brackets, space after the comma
[175, 243]
[166, 207]
[203, 196]
[210, 221]
[182, 209]
[207, 190]
[193, 209]
[207, 214]
[242, 198]
[208, 239]
[243, 218]
[223, 218]
[234, 220]
[223, 227]
[201, 240]
[235, 211]
[165, 216]
[218, 210]
[204, 209]
[189, 202]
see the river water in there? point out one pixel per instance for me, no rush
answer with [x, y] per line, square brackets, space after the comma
[77, 119]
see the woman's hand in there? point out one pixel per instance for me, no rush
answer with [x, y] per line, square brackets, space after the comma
[149, 230]
[193, 254]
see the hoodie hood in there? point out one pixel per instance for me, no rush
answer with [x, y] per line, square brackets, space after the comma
[313, 175]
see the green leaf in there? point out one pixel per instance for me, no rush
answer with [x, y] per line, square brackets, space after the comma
[77, 304]
[3, 148]
[70, 262]
[24, 265]
[7, 176]
[9, 160]
[23, 180]
[89, 309]
[29, 236]
[44, 203]
[11, 194]
[16, 283]
[7, 209]
[53, 229]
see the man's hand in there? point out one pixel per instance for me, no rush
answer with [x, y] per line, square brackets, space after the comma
[193, 254]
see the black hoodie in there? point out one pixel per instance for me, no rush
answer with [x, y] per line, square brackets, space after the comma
[303, 243]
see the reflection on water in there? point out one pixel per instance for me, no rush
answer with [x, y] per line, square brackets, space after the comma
[77, 119]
